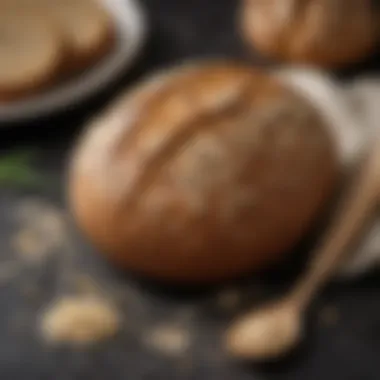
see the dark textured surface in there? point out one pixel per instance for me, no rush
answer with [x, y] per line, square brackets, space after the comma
[345, 349]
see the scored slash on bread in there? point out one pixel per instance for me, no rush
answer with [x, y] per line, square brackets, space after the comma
[43, 42]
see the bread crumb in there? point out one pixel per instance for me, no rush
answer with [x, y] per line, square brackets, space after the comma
[168, 340]
[80, 320]
[42, 230]
[30, 245]
[329, 315]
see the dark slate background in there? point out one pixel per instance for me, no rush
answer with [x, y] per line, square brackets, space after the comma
[344, 349]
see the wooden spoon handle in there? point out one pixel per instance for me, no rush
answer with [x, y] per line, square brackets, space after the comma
[357, 207]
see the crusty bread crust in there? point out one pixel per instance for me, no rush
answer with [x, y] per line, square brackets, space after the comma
[327, 33]
[202, 174]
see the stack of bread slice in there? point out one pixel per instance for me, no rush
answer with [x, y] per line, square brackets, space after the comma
[44, 42]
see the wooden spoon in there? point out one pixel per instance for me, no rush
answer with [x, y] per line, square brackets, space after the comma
[272, 331]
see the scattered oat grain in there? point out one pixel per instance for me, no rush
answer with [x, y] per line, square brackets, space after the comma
[80, 320]
[169, 340]
[42, 230]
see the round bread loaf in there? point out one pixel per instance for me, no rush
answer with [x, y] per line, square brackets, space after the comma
[203, 173]
[87, 28]
[31, 53]
[327, 33]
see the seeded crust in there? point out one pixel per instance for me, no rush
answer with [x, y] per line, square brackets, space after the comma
[328, 33]
[202, 173]
[87, 29]
[25, 71]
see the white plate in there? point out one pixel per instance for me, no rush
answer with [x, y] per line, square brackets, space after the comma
[131, 29]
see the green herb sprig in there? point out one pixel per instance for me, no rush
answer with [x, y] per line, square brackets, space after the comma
[16, 170]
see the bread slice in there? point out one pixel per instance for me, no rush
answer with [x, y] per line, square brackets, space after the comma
[87, 28]
[31, 53]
